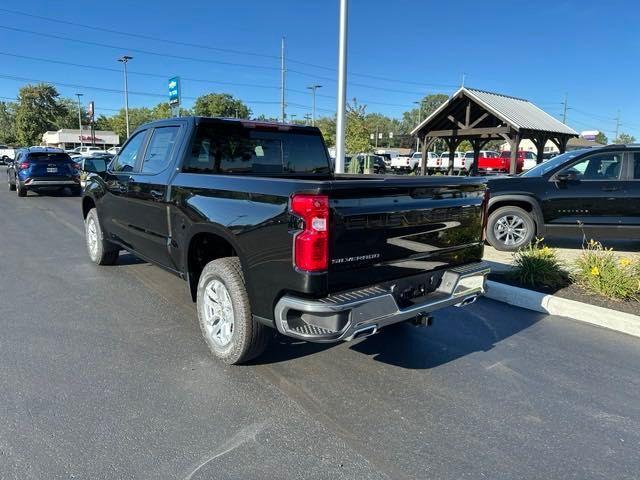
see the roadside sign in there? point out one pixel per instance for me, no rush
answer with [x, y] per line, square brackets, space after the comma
[174, 91]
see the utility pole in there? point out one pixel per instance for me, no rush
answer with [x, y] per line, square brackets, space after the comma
[124, 60]
[342, 87]
[313, 89]
[564, 110]
[80, 117]
[464, 77]
[283, 72]
[307, 119]
[617, 126]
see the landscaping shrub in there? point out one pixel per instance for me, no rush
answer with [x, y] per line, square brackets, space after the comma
[537, 265]
[599, 270]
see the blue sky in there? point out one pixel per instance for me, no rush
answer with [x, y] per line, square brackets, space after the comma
[537, 50]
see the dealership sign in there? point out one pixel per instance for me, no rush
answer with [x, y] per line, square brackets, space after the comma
[174, 91]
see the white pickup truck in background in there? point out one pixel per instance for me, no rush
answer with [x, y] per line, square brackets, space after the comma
[6, 154]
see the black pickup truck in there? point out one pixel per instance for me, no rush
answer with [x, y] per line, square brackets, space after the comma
[251, 215]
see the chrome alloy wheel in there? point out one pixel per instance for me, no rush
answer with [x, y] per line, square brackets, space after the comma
[510, 230]
[92, 238]
[218, 313]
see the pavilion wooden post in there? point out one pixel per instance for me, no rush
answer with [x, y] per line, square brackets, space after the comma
[515, 144]
[452, 143]
[540, 141]
[477, 145]
[423, 166]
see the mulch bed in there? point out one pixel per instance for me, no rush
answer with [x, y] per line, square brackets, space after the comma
[572, 292]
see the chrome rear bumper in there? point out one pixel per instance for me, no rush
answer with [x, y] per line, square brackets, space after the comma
[344, 316]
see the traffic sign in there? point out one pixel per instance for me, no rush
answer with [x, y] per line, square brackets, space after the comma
[174, 91]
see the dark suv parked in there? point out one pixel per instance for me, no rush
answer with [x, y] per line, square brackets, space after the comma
[38, 168]
[595, 191]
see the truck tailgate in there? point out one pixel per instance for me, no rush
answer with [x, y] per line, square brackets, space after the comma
[398, 227]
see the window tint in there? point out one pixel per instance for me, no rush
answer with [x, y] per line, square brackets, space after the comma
[602, 166]
[158, 153]
[636, 166]
[126, 160]
[235, 149]
[49, 157]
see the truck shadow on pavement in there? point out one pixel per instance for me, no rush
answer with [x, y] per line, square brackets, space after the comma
[454, 334]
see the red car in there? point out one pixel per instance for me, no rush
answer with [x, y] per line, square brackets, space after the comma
[502, 163]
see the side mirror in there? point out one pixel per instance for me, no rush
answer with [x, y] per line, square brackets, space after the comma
[92, 165]
[565, 177]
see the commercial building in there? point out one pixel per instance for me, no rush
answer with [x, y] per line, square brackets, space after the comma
[67, 138]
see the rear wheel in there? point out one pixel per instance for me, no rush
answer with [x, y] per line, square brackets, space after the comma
[224, 313]
[510, 228]
[101, 251]
[12, 186]
[21, 191]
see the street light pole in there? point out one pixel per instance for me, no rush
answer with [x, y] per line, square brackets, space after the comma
[80, 117]
[342, 87]
[124, 60]
[313, 89]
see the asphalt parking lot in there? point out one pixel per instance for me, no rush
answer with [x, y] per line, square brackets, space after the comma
[104, 375]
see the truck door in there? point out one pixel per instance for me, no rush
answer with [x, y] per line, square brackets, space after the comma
[147, 207]
[588, 191]
[115, 216]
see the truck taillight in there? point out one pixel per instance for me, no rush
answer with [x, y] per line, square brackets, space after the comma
[311, 245]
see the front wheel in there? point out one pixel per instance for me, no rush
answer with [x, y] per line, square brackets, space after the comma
[510, 228]
[101, 251]
[224, 313]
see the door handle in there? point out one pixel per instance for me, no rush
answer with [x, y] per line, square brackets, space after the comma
[157, 195]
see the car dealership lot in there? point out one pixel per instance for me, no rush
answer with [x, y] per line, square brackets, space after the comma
[105, 375]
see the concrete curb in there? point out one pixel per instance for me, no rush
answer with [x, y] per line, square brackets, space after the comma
[583, 312]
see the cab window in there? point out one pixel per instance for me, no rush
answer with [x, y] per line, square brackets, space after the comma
[128, 156]
[601, 166]
[159, 150]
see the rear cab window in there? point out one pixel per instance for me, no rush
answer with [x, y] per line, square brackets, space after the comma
[49, 157]
[236, 148]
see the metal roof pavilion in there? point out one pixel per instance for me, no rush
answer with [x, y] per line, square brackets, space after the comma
[480, 116]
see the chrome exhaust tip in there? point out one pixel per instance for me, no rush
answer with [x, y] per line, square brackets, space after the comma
[363, 332]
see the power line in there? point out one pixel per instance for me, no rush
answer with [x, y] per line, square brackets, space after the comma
[113, 90]
[138, 35]
[137, 50]
[218, 49]
[133, 72]
[161, 76]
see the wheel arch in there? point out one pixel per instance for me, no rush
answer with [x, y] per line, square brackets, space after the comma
[207, 243]
[526, 202]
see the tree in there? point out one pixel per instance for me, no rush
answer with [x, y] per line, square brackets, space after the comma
[602, 138]
[68, 117]
[220, 105]
[37, 112]
[163, 110]
[625, 138]
[327, 126]
[118, 122]
[7, 122]
[356, 136]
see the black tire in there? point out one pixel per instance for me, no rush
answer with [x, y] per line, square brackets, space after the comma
[102, 252]
[248, 338]
[22, 191]
[12, 186]
[522, 233]
[76, 191]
